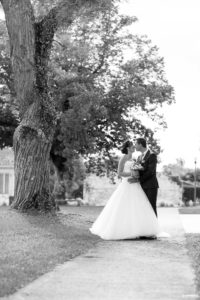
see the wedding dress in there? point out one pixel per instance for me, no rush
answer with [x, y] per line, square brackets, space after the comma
[128, 213]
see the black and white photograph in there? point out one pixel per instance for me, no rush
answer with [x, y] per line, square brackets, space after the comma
[99, 150]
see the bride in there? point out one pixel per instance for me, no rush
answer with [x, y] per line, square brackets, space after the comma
[128, 214]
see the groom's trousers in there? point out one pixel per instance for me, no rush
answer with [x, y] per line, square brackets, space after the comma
[152, 196]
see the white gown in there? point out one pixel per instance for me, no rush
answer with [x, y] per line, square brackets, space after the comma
[128, 213]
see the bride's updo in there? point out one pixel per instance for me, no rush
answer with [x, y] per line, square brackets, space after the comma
[125, 147]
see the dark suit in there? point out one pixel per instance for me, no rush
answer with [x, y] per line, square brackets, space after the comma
[148, 178]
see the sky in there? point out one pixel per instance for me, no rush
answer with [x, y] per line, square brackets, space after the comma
[174, 26]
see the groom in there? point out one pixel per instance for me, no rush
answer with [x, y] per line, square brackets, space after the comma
[147, 178]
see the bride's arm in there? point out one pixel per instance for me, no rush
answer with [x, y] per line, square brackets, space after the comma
[121, 172]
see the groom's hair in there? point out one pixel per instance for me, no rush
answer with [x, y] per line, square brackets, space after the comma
[142, 142]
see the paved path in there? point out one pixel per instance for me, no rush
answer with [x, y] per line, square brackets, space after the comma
[191, 223]
[139, 270]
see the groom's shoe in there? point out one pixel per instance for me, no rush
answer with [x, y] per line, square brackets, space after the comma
[151, 237]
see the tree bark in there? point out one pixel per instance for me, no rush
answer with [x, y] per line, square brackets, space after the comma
[32, 172]
[29, 52]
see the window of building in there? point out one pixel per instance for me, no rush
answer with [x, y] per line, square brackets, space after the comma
[4, 183]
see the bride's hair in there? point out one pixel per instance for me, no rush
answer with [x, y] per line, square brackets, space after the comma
[125, 147]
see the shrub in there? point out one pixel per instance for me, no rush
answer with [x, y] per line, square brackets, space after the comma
[188, 193]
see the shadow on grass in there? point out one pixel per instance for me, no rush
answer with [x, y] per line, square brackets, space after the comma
[31, 244]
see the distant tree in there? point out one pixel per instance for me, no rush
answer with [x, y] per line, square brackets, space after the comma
[99, 94]
[8, 124]
[190, 176]
[8, 110]
[178, 173]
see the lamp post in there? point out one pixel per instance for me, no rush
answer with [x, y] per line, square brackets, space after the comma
[195, 180]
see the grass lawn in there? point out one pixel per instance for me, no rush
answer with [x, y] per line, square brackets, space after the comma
[193, 246]
[31, 245]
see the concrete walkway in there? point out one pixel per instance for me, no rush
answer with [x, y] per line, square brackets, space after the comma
[139, 270]
[191, 223]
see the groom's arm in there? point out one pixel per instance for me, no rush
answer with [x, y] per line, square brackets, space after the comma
[150, 170]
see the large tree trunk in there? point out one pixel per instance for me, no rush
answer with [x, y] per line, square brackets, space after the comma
[31, 170]
[32, 167]
[29, 47]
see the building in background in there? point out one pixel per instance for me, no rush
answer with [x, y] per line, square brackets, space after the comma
[6, 175]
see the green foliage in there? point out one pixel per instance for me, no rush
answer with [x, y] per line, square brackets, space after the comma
[178, 173]
[6, 78]
[8, 123]
[69, 182]
[176, 169]
[65, 10]
[8, 111]
[188, 193]
[100, 95]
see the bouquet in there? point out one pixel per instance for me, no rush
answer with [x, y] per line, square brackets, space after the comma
[135, 168]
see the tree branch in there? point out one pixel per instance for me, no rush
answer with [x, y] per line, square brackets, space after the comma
[66, 10]
[64, 13]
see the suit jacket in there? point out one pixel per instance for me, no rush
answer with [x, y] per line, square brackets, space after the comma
[148, 179]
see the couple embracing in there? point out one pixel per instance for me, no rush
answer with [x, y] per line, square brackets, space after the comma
[130, 212]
